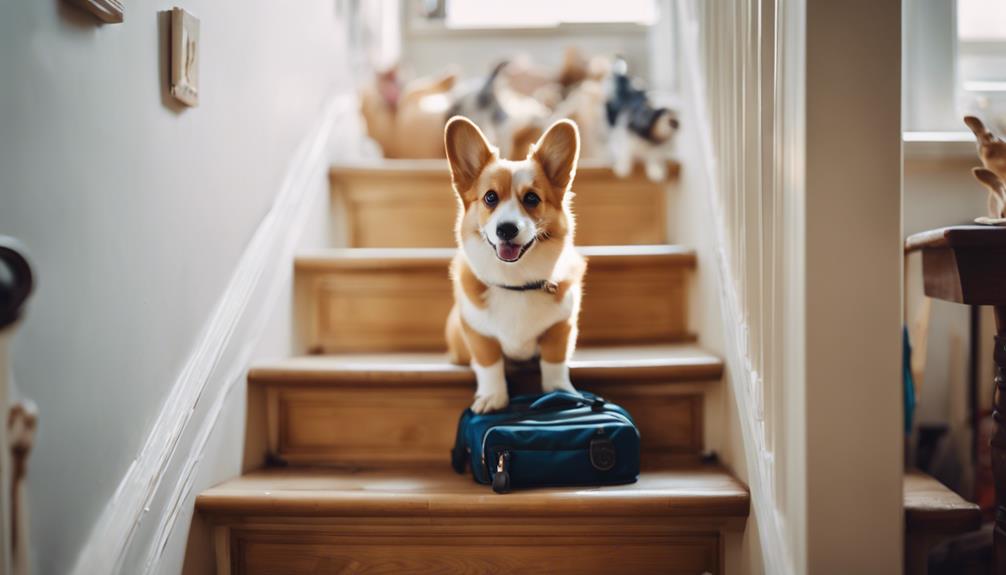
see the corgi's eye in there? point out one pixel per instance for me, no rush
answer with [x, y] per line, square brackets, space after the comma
[531, 199]
[491, 199]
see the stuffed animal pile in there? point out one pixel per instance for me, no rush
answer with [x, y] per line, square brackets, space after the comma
[618, 119]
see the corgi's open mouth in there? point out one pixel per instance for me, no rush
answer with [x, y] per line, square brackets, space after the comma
[509, 252]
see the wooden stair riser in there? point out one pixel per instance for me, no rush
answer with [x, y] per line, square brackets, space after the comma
[404, 308]
[417, 207]
[463, 547]
[370, 425]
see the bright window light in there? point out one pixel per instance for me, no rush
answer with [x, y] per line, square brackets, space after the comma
[546, 13]
[981, 59]
[981, 20]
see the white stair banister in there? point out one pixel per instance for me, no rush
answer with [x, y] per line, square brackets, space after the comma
[796, 108]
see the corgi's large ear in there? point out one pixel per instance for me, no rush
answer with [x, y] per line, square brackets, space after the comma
[557, 152]
[467, 151]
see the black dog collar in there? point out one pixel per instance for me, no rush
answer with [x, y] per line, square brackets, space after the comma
[540, 285]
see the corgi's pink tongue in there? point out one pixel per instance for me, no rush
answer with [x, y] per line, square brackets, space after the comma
[508, 252]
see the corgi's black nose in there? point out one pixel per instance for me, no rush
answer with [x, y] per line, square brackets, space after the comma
[506, 231]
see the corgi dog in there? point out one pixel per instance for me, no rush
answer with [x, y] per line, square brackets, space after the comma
[517, 277]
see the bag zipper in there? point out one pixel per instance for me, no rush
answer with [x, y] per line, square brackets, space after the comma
[515, 422]
[501, 479]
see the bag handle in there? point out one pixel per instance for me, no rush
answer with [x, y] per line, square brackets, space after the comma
[566, 399]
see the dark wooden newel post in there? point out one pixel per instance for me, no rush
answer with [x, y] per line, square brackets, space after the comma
[967, 264]
[999, 437]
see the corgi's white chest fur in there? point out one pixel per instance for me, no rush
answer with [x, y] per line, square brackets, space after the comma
[518, 318]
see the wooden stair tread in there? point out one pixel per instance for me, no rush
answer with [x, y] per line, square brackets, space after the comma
[933, 507]
[706, 491]
[410, 203]
[330, 259]
[664, 362]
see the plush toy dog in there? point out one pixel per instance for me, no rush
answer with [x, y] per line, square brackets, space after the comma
[407, 122]
[640, 131]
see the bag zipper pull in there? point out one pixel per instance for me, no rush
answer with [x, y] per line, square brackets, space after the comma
[501, 479]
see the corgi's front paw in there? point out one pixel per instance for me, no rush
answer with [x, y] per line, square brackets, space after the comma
[491, 390]
[484, 403]
[557, 385]
[555, 377]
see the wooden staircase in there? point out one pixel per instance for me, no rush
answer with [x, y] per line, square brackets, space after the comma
[353, 439]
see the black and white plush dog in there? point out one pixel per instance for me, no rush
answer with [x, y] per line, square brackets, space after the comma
[639, 130]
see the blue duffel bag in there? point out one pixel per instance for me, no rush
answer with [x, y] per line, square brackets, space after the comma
[555, 439]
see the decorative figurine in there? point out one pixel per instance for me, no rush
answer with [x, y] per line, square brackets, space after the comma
[991, 149]
[992, 152]
[997, 196]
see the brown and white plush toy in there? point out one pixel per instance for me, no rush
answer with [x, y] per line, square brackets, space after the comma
[991, 149]
[992, 152]
[407, 121]
[997, 196]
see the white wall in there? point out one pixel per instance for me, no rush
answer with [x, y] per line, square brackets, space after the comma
[135, 211]
[929, 73]
[940, 191]
[434, 50]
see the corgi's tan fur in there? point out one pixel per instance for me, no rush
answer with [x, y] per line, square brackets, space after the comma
[517, 277]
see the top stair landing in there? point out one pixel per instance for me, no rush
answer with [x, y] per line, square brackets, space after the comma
[410, 203]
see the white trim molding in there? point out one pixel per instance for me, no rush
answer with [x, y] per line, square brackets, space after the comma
[939, 145]
[157, 486]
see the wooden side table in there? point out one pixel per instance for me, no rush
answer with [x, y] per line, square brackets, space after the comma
[967, 264]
